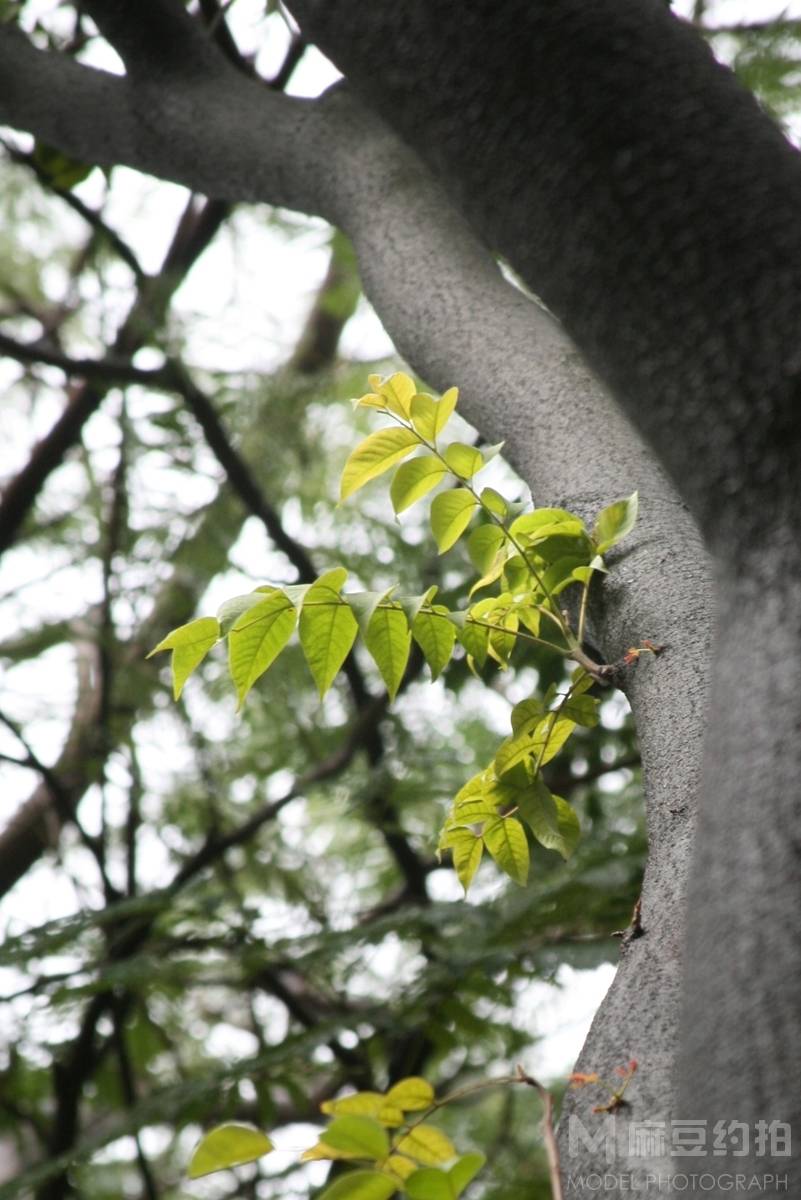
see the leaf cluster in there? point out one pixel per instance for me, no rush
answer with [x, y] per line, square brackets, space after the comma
[525, 560]
[391, 1147]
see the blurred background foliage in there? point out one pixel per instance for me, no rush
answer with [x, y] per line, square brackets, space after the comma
[211, 917]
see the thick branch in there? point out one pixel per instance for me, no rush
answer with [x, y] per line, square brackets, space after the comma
[218, 133]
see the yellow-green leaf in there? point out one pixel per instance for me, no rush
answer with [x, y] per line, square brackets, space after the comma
[426, 1144]
[189, 644]
[402, 1167]
[506, 841]
[450, 515]
[256, 639]
[614, 522]
[388, 639]
[414, 479]
[445, 409]
[483, 545]
[397, 392]
[430, 416]
[436, 636]
[376, 454]
[429, 1183]
[467, 849]
[494, 502]
[551, 819]
[464, 461]
[361, 1185]
[228, 1146]
[327, 628]
[463, 1171]
[357, 1136]
[413, 1094]
[365, 1104]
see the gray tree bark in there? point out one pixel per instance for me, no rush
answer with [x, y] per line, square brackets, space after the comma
[654, 208]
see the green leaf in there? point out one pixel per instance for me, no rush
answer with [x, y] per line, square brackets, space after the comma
[388, 639]
[475, 639]
[467, 849]
[426, 1144]
[229, 612]
[227, 1146]
[397, 393]
[413, 1094]
[189, 644]
[429, 1183]
[494, 502]
[506, 841]
[359, 1136]
[411, 605]
[531, 746]
[614, 522]
[563, 572]
[582, 709]
[413, 479]
[550, 818]
[327, 628]
[527, 711]
[450, 515]
[257, 638]
[365, 1104]
[430, 416]
[59, 169]
[361, 1185]
[465, 1170]
[483, 545]
[376, 454]
[363, 606]
[544, 522]
[436, 636]
[464, 461]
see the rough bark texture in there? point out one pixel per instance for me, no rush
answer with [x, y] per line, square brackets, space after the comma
[651, 204]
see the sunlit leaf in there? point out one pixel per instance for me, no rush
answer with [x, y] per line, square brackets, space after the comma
[428, 1145]
[327, 628]
[614, 522]
[400, 1166]
[494, 502]
[429, 1183]
[376, 454]
[358, 1136]
[465, 1170]
[365, 1104]
[582, 709]
[388, 639]
[189, 644]
[228, 1146]
[506, 841]
[257, 638]
[464, 461]
[361, 1185]
[467, 849]
[413, 1094]
[430, 416]
[414, 479]
[411, 605]
[229, 612]
[436, 636]
[550, 818]
[450, 515]
[483, 545]
[397, 392]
